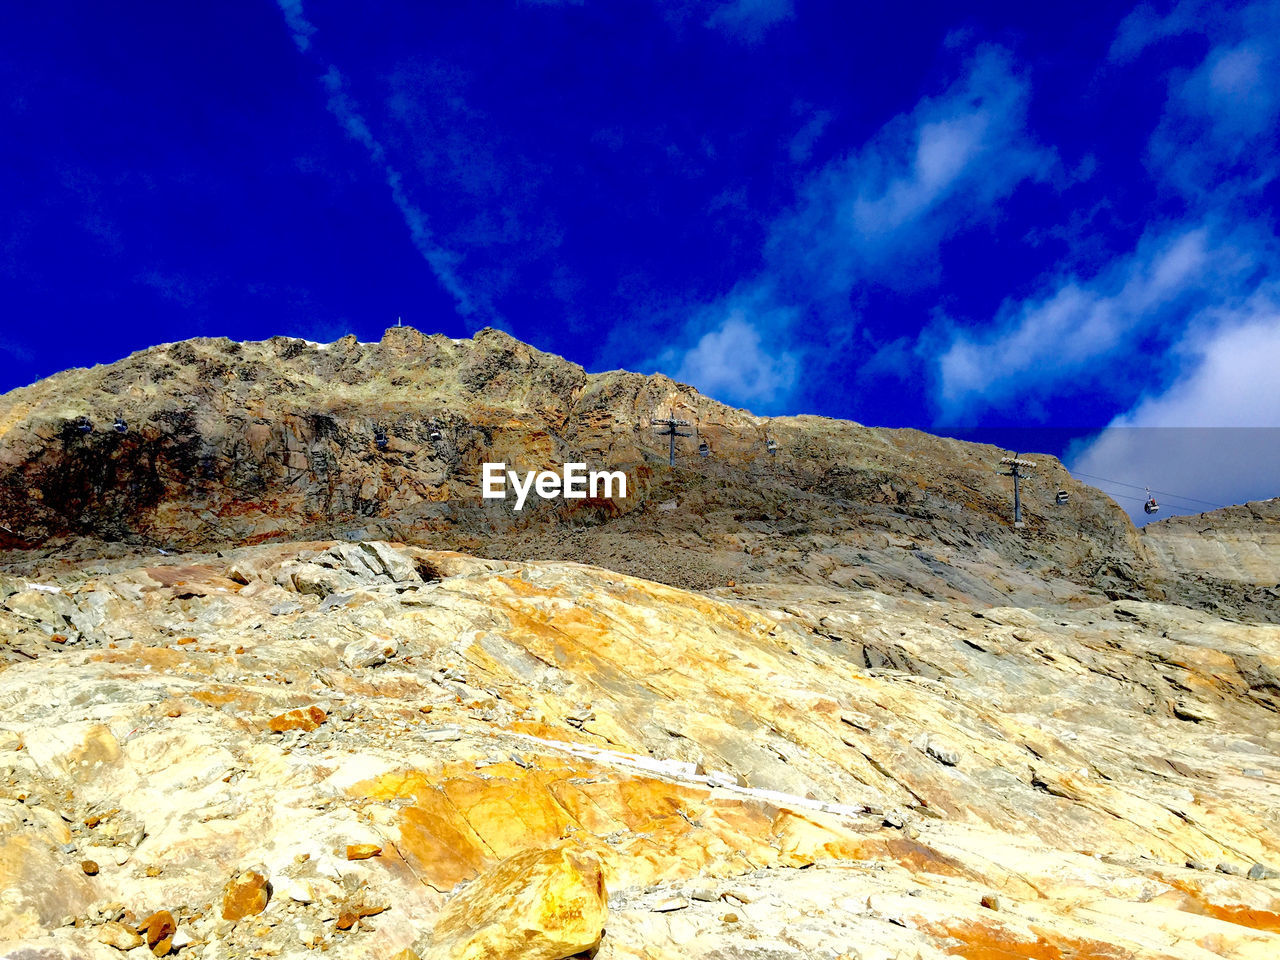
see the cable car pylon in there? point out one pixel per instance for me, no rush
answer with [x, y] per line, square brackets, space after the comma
[671, 424]
[1016, 466]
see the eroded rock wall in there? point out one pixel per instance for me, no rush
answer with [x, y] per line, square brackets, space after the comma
[233, 443]
[1240, 544]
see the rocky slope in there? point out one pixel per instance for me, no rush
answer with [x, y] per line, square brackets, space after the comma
[228, 443]
[262, 695]
[367, 748]
[1240, 544]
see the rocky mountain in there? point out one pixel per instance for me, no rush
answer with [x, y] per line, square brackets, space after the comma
[271, 686]
[229, 443]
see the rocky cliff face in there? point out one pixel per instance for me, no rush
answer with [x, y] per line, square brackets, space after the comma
[228, 443]
[844, 712]
[367, 748]
[1240, 544]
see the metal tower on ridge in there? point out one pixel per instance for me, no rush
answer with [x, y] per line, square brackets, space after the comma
[1016, 467]
[671, 431]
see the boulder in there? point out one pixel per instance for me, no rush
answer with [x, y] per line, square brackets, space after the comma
[544, 904]
[395, 564]
[116, 934]
[369, 652]
[246, 895]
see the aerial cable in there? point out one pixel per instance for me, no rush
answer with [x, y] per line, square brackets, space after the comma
[1137, 499]
[1137, 486]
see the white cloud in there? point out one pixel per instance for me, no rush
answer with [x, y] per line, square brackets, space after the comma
[735, 360]
[925, 175]
[944, 150]
[1238, 73]
[879, 212]
[443, 262]
[1062, 337]
[801, 146]
[1186, 313]
[1144, 27]
[1234, 382]
[1213, 435]
[1216, 137]
[180, 288]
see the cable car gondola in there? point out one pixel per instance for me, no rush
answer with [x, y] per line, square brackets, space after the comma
[1062, 498]
[380, 438]
[120, 426]
[1151, 506]
[84, 425]
[772, 446]
[704, 449]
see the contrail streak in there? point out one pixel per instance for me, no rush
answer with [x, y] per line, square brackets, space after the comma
[442, 261]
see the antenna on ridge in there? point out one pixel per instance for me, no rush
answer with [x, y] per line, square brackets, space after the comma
[399, 321]
[671, 423]
[1016, 467]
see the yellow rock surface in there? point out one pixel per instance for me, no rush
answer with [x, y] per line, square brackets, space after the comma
[35, 888]
[829, 767]
[544, 904]
[245, 896]
[460, 823]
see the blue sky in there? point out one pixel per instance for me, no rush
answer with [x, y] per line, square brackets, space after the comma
[1057, 220]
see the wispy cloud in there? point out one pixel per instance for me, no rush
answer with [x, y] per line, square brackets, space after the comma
[750, 20]
[1184, 329]
[746, 20]
[1039, 345]
[1212, 434]
[1218, 131]
[1145, 26]
[879, 212]
[298, 24]
[1216, 137]
[1230, 379]
[17, 352]
[801, 146]
[883, 210]
[442, 261]
[95, 216]
[185, 290]
[738, 358]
